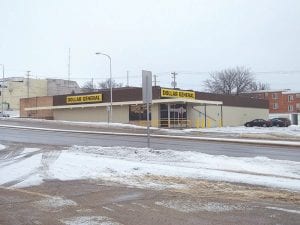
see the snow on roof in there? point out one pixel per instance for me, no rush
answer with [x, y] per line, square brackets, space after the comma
[290, 92]
[267, 91]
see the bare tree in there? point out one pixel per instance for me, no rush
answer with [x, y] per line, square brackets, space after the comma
[88, 86]
[230, 81]
[257, 86]
[106, 84]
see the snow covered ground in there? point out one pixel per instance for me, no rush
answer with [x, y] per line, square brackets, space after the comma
[293, 130]
[133, 166]
[12, 113]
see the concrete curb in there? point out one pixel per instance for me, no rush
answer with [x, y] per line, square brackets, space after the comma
[230, 140]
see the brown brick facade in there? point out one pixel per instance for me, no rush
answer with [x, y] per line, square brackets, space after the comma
[36, 102]
[279, 101]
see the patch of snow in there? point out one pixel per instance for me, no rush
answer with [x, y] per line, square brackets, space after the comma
[30, 150]
[285, 210]
[20, 169]
[192, 206]
[108, 209]
[2, 147]
[31, 179]
[54, 203]
[89, 220]
[13, 113]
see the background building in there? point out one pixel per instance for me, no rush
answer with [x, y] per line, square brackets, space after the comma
[282, 103]
[171, 108]
[16, 88]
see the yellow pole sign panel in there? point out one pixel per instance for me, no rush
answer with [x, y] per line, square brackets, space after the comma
[170, 93]
[84, 98]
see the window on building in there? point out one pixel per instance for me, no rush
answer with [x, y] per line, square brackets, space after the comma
[290, 98]
[138, 112]
[275, 105]
[290, 108]
[266, 94]
[275, 95]
[298, 106]
[298, 95]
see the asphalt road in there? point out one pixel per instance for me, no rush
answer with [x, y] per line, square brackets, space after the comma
[209, 147]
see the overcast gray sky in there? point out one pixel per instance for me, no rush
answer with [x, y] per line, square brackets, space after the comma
[191, 37]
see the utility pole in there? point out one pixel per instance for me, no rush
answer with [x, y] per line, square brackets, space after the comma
[174, 79]
[155, 80]
[69, 67]
[2, 94]
[28, 83]
[127, 78]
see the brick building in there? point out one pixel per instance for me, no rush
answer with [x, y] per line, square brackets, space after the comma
[283, 103]
[16, 88]
[173, 108]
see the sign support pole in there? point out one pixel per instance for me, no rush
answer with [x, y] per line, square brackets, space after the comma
[148, 125]
[147, 98]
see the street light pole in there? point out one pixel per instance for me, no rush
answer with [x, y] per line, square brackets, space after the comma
[100, 53]
[2, 90]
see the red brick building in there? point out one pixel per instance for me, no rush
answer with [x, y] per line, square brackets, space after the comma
[281, 103]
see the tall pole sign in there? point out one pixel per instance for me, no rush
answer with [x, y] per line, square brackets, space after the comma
[147, 98]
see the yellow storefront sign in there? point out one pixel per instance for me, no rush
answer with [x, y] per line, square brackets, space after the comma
[170, 93]
[84, 98]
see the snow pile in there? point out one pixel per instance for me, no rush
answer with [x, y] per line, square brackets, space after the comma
[86, 124]
[131, 165]
[14, 113]
[291, 130]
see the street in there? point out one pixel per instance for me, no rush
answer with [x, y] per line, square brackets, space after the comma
[209, 147]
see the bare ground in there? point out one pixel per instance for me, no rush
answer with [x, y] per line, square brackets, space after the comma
[200, 202]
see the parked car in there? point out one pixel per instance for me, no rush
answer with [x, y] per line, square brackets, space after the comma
[280, 122]
[258, 123]
[4, 114]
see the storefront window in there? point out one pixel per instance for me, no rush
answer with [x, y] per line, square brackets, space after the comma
[138, 112]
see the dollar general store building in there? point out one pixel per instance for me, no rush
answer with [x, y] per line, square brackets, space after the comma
[171, 108]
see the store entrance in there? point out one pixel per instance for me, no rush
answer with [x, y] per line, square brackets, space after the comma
[173, 115]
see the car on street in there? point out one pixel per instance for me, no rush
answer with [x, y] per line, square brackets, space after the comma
[280, 122]
[258, 123]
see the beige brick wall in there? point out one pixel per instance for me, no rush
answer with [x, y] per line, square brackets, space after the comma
[232, 116]
[93, 114]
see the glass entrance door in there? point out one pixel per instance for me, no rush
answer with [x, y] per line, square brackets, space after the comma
[173, 115]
